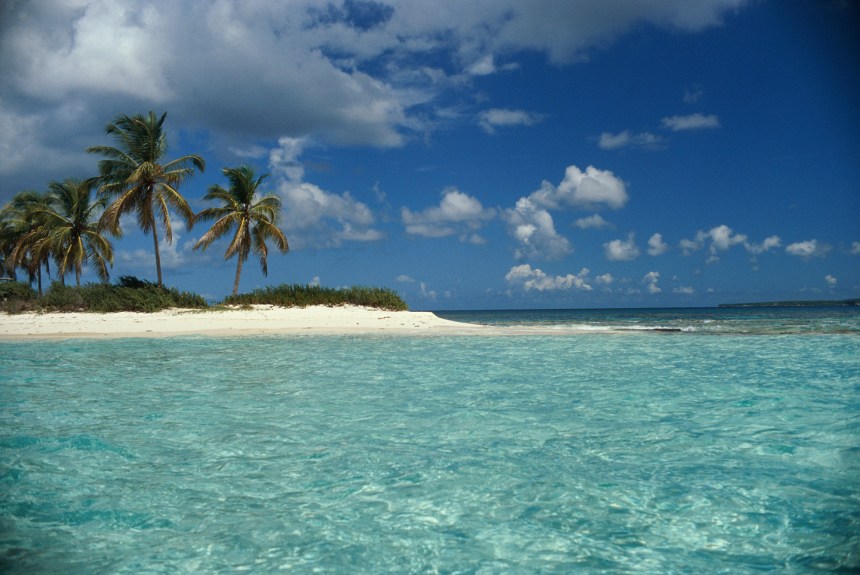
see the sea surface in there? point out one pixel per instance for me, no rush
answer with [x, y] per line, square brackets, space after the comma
[667, 441]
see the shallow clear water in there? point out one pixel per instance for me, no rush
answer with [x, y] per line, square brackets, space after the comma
[699, 321]
[594, 454]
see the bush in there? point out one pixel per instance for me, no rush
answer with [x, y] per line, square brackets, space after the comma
[129, 294]
[296, 295]
[16, 297]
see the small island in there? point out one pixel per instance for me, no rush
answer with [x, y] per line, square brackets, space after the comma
[799, 303]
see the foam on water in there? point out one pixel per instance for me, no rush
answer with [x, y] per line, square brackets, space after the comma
[420, 455]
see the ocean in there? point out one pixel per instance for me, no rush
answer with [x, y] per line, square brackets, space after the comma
[667, 441]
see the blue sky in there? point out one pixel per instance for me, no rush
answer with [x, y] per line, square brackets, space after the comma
[474, 155]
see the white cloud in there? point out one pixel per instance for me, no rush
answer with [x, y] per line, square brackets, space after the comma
[426, 292]
[621, 250]
[768, 244]
[689, 246]
[405, 279]
[656, 245]
[855, 248]
[604, 279]
[535, 279]
[684, 290]
[457, 213]
[610, 141]
[831, 280]
[591, 189]
[496, 118]
[719, 238]
[592, 222]
[284, 160]
[483, 66]
[533, 228]
[691, 122]
[651, 279]
[339, 72]
[313, 217]
[808, 249]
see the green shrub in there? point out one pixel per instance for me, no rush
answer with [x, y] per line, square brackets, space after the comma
[129, 294]
[17, 297]
[295, 295]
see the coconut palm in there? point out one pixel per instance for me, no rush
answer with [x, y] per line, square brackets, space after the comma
[72, 229]
[133, 177]
[25, 235]
[254, 221]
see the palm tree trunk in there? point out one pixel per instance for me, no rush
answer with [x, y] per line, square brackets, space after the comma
[157, 254]
[238, 273]
[78, 274]
[40, 279]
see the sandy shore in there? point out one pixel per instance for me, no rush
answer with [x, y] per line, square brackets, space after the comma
[260, 319]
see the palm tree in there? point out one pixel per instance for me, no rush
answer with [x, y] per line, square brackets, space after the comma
[8, 239]
[72, 230]
[254, 221]
[133, 176]
[26, 235]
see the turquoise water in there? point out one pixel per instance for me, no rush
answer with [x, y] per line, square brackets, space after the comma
[649, 452]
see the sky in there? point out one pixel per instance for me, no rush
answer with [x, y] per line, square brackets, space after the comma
[487, 154]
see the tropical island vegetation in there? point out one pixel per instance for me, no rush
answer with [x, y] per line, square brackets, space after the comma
[71, 222]
[797, 303]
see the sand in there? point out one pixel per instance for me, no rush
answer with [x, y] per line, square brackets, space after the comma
[260, 319]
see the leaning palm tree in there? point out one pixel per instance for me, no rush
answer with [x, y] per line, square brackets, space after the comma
[27, 235]
[254, 221]
[134, 178]
[72, 229]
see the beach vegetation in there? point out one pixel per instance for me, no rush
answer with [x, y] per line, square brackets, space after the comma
[16, 297]
[296, 295]
[135, 177]
[128, 294]
[253, 219]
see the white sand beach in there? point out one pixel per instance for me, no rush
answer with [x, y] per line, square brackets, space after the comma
[259, 319]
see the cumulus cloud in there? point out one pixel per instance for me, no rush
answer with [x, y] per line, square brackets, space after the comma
[456, 214]
[610, 141]
[808, 249]
[768, 244]
[656, 245]
[533, 229]
[691, 122]
[604, 279]
[621, 250]
[341, 72]
[591, 189]
[855, 248]
[684, 290]
[500, 118]
[535, 279]
[313, 217]
[650, 280]
[592, 222]
[831, 280]
[722, 238]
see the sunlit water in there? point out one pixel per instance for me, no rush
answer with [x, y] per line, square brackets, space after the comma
[648, 452]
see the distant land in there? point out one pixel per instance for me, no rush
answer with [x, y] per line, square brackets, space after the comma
[810, 303]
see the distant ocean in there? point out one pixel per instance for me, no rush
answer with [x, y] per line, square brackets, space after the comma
[669, 441]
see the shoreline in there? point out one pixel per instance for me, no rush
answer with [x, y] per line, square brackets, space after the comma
[259, 320]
